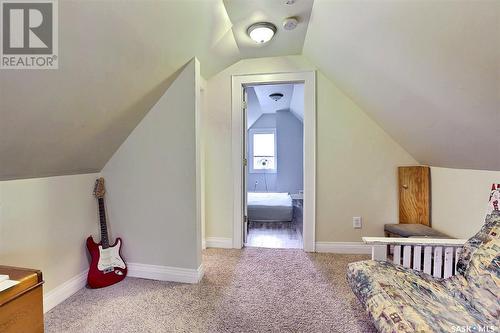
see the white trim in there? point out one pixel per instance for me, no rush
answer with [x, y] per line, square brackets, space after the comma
[165, 273]
[219, 242]
[309, 80]
[200, 195]
[343, 247]
[201, 155]
[63, 291]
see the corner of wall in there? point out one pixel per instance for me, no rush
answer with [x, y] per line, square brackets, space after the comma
[153, 179]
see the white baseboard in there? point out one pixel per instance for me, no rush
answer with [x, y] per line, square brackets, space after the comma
[162, 273]
[219, 242]
[165, 273]
[65, 290]
[343, 247]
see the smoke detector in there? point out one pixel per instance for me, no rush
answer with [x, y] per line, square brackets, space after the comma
[276, 96]
[290, 23]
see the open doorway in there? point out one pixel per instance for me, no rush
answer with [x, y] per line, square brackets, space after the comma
[274, 173]
[306, 81]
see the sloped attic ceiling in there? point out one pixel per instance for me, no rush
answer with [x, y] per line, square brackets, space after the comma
[426, 71]
[260, 101]
[115, 61]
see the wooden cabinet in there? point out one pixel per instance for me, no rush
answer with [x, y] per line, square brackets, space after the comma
[21, 306]
[414, 195]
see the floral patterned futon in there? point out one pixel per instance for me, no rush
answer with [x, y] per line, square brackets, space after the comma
[399, 299]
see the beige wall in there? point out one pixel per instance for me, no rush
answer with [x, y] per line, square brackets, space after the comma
[44, 223]
[356, 159]
[152, 181]
[459, 199]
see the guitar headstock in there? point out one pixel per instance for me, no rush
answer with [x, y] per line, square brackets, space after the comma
[99, 189]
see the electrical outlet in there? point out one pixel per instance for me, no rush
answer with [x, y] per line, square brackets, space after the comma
[356, 222]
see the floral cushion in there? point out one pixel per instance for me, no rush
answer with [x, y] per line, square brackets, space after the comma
[403, 300]
[480, 265]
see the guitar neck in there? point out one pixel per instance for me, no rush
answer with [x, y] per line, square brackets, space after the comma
[102, 220]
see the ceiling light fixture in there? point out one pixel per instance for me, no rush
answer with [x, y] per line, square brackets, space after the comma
[276, 96]
[261, 32]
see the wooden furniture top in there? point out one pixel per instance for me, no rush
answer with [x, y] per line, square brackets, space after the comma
[413, 241]
[28, 280]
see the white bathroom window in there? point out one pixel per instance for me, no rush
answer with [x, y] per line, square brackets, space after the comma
[262, 150]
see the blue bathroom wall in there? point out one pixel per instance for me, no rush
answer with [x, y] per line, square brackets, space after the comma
[290, 137]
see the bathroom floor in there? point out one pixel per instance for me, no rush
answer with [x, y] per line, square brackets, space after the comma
[274, 235]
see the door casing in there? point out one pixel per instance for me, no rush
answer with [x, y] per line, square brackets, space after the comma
[239, 82]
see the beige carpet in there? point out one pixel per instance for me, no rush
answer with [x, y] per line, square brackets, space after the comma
[250, 290]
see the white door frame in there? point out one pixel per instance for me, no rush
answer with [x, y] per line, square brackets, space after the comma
[238, 83]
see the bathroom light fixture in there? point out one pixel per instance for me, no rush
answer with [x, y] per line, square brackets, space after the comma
[276, 96]
[261, 32]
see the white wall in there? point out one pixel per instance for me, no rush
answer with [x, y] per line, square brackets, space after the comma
[254, 110]
[290, 142]
[459, 199]
[153, 181]
[356, 159]
[44, 223]
[297, 102]
[266, 120]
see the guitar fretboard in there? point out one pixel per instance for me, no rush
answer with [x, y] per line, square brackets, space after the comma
[102, 220]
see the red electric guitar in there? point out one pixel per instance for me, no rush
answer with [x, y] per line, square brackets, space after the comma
[107, 266]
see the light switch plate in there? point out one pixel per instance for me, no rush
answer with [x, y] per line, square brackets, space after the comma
[356, 222]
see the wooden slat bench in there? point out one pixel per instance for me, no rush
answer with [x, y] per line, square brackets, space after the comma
[432, 256]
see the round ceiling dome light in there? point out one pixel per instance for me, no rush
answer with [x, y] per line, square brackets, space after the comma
[276, 96]
[261, 32]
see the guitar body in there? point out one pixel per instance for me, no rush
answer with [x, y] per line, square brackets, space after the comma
[107, 266]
